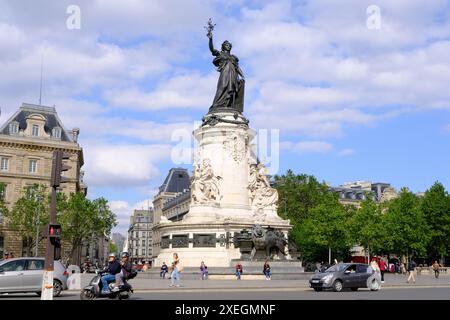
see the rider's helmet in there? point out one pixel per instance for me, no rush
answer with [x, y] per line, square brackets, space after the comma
[125, 255]
[112, 255]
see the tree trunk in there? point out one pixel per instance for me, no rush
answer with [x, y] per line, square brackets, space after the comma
[75, 257]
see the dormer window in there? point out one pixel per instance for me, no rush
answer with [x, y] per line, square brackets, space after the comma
[14, 128]
[35, 130]
[56, 133]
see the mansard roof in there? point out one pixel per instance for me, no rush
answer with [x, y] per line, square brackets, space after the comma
[49, 113]
[176, 181]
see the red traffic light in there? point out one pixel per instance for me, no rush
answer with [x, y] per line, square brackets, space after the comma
[54, 230]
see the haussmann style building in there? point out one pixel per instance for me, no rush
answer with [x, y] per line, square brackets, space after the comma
[27, 141]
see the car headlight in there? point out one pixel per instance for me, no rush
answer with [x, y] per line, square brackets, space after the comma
[327, 278]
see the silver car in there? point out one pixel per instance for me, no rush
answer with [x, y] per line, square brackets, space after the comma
[25, 275]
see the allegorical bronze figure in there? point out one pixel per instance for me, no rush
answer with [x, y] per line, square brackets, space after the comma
[230, 87]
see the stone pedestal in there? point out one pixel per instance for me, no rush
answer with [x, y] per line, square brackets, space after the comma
[229, 192]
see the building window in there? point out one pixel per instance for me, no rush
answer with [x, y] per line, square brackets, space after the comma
[143, 243]
[32, 168]
[14, 128]
[56, 133]
[4, 164]
[35, 130]
[143, 252]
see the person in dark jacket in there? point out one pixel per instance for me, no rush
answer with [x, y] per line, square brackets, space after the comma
[266, 270]
[126, 266]
[112, 269]
[164, 269]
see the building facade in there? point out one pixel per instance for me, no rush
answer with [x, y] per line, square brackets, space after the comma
[172, 201]
[140, 239]
[27, 141]
[353, 193]
[119, 241]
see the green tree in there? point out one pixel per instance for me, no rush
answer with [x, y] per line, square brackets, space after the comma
[326, 228]
[298, 194]
[113, 248]
[407, 231]
[29, 214]
[82, 219]
[436, 209]
[366, 227]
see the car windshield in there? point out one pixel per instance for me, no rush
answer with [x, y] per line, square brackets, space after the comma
[336, 268]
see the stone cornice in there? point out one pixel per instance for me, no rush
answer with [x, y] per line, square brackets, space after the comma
[44, 145]
[32, 177]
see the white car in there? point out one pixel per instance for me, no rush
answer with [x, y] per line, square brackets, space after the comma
[25, 275]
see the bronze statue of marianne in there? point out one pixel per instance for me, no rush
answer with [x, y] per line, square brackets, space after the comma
[230, 87]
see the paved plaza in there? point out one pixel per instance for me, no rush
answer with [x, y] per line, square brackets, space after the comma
[394, 288]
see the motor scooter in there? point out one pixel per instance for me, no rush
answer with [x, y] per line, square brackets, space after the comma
[94, 289]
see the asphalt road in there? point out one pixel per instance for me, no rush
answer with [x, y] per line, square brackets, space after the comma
[395, 293]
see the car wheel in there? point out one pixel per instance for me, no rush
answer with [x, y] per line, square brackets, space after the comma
[354, 289]
[337, 286]
[57, 288]
[317, 289]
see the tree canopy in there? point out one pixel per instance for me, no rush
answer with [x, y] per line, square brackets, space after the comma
[407, 225]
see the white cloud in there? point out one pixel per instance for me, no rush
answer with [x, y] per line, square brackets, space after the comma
[346, 152]
[313, 69]
[307, 147]
[124, 210]
[123, 165]
[186, 91]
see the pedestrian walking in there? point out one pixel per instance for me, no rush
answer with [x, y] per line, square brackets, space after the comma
[164, 269]
[177, 267]
[239, 271]
[402, 268]
[436, 267]
[146, 266]
[382, 269]
[203, 271]
[266, 270]
[412, 271]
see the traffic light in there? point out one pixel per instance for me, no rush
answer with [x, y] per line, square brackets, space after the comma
[58, 167]
[54, 233]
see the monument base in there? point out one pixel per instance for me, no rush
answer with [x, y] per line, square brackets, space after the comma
[212, 243]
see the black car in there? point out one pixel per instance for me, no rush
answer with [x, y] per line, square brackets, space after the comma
[346, 275]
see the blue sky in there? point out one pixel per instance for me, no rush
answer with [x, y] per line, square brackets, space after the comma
[350, 102]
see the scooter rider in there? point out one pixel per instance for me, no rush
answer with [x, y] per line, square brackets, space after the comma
[112, 269]
[126, 266]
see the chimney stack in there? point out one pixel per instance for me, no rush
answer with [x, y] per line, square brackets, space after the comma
[75, 133]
